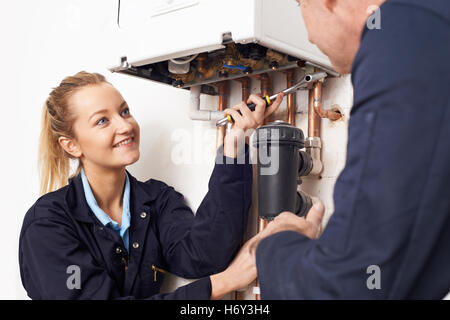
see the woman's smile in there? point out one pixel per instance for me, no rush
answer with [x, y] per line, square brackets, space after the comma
[126, 143]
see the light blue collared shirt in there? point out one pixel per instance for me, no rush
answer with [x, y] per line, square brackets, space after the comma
[103, 217]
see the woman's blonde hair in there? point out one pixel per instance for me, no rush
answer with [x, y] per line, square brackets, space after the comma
[57, 121]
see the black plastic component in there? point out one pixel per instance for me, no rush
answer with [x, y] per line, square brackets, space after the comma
[156, 72]
[252, 51]
[248, 70]
[223, 74]
[252, 105]
[274, 65]
[243, 50]
[257, 52]
[206, 89]
[162, 68]
[278, 164]
[177, 83]
[305, 164]
[303, 205]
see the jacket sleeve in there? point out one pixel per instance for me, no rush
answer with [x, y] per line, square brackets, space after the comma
[52, 257]
[391, 211]
[204, 244]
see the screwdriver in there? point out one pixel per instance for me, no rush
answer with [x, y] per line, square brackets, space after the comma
[307, 79]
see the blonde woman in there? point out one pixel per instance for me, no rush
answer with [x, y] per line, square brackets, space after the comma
[102, 234]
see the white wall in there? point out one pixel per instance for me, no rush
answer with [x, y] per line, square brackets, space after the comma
[44, 41]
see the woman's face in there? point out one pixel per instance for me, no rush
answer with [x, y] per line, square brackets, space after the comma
[106, 133]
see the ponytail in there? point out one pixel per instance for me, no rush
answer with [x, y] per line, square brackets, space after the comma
[57, 121]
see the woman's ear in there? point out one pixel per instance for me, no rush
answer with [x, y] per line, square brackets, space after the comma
[70, 146]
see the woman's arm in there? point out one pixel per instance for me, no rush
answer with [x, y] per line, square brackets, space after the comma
[206, 244]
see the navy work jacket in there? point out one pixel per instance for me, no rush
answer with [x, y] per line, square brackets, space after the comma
[389, 236]
[61, 238]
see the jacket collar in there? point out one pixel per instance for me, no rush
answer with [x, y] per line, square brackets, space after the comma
[140, 198]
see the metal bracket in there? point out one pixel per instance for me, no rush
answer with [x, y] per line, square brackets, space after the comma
[227, 38]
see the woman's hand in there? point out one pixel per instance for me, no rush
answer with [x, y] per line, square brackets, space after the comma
[240, 273]
[246, 121]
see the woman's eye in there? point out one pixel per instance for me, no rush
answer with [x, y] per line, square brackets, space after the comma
[126, 111]
[101, 121]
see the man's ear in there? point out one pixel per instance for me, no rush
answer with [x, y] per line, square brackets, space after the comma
[330, 4]
[70, 146]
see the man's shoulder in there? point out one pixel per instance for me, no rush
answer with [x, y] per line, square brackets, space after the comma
[438, 7]
[411, 39]
[406, 23]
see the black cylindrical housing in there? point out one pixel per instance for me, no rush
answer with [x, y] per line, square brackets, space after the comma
[278, 164]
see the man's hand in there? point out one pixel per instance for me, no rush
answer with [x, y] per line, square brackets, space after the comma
[287, 221]
[309, 226]
[242, 271]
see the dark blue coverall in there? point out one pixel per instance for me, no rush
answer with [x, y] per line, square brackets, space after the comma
[60, 231]
[392, 200]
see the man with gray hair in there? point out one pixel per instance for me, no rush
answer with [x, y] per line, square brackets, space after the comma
[389, 236]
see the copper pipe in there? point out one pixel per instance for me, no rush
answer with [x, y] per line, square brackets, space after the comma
[245, 89]
[266, 84]
[266, 87]
[317, 103]
[290, 108]
[313, 143]
[223, 104]
[262, 224]
[245, 83]
[313, 117]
